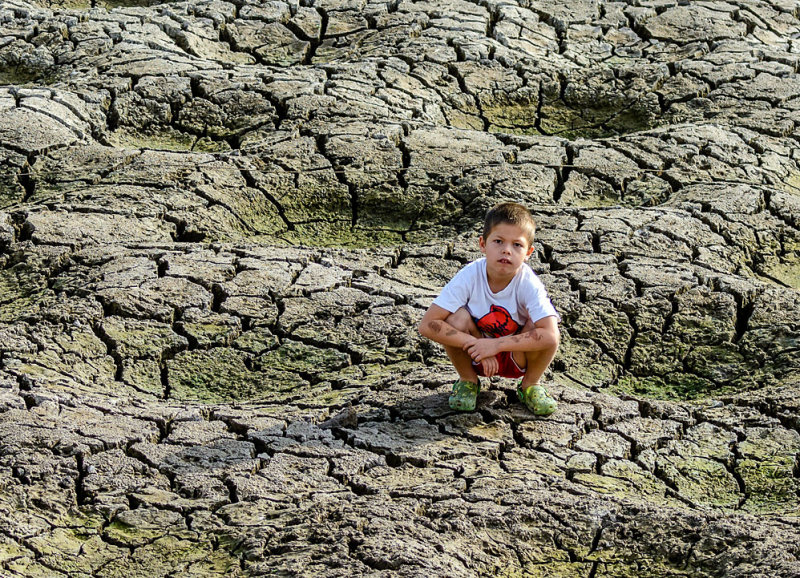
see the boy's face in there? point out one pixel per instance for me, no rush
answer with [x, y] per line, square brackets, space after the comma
[506, 249]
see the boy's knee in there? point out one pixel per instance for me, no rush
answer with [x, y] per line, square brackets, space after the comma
[555, 341]
[460, 319]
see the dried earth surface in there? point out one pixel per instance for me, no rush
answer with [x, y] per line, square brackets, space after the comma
[221, 220]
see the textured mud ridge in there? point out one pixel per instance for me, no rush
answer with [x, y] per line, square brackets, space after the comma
[220, 223]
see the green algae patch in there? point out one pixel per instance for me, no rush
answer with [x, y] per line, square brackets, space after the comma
[513, 118]
[142, 338]
[111, 4]
[371, 375]
[11, 550]
[675, 387]
[338, 233]
[171, 555]
[702, 481]
[218, 375]
[224, 375]
[212, 332]
[553, 569]
[721, 363]
[767, 468]
[144, 375]
[11, 192]
[22, 293]
[24, 76]
[772, 486]
[134, 528]
[787, 273]
[297, 357]
[73, 552]
[322, 395]
[791, 184]
[584, 362]
[627, 481]
[559, 119]
[256, 341]
[166, 139]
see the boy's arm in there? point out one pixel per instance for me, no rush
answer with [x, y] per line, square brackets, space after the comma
[544, 335]
[434, 327]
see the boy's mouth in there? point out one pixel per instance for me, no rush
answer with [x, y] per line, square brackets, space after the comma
[505, 261]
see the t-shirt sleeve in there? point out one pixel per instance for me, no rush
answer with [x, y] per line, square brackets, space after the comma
[536, 300]
[456, 293]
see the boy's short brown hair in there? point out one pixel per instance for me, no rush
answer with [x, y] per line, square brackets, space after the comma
[512, 213]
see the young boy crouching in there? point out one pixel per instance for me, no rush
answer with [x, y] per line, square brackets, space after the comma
[495, 317]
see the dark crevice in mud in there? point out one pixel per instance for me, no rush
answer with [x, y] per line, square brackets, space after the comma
[734, 471]
[251, 182]
[111, 349]
[673, 182]
[281, 110]
[26, 180]
[607, 350]
[354, 202]
[537, 123]
[80, 492]
[562, 174]
[233, 494]
[596, 539]
[316, 42]
[596, 248]
[623, 269]
[214, 202]
[181, 235]
[402, 174]
[164, 374]
[21, 230]
[743, 314]
[791, 223]
[670, 317]
[219, 297]
[672, 489]
[164, 429]
[561, 545]
[737, 16]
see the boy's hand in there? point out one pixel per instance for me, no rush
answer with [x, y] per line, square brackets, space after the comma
[482, 349]
[490, 366]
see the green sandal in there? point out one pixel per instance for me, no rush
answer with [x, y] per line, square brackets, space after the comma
[464, 395]
[537, 399]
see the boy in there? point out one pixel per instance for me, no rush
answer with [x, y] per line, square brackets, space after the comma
[495, 318]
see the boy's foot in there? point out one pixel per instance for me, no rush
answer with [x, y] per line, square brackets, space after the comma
[537, 399]
[464, 395]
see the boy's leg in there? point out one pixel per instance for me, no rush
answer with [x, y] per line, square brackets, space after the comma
[535, 363]
[534, 396]
[462, 320]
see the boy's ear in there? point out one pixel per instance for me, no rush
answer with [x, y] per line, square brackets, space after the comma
[482, 243]
[530, 251]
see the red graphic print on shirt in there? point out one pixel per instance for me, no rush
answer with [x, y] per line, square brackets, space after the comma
[497, 322]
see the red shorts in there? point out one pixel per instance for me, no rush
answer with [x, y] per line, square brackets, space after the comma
[508, 367]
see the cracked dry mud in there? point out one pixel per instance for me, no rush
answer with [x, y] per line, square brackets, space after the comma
[220, 222]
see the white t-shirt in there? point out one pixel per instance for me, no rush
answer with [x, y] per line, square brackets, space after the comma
[501, 313]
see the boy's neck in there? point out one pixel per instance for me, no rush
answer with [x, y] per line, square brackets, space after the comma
[497, 284]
